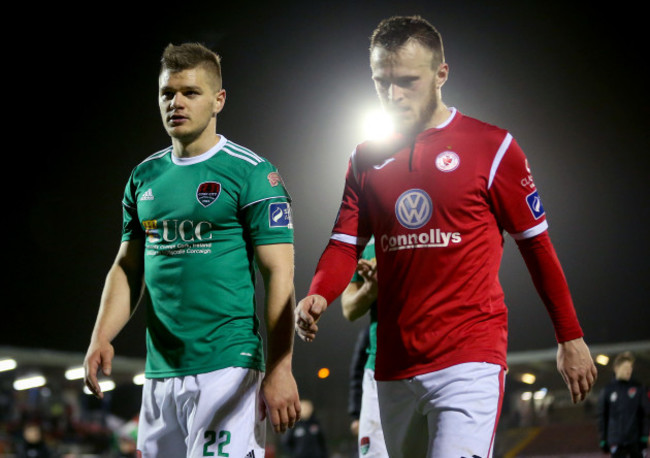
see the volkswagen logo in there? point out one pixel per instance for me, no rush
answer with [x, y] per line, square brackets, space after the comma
[413, 209]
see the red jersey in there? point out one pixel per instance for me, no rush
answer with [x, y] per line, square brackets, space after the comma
[438, 207]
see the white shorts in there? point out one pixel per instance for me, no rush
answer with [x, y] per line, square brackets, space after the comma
[452, 412]
[371, 436]
[212, 414]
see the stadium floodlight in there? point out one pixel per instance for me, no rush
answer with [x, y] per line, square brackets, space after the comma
[26, 383]
[104, 385]
[138, 379]
[75, 373]
[377, 125]
[526, 395]
[7, 364]
[528, 379]
[541, 394]
[603, 360]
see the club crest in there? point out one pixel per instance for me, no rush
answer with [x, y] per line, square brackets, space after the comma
[208, 192]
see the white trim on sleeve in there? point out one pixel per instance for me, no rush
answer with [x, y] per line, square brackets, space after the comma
[532, 232]
[350, 239]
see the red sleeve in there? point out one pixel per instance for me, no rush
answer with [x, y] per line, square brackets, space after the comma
[335, 269]
[550, 282]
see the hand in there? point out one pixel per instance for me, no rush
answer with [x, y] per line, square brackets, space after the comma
[368, 271]
[280, 399]
[354, 427]
[98, 355]
[308, 312]
[577, 368]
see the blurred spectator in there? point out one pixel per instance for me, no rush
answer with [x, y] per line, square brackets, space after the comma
[306, 438]
[623, 412]
[32, 443]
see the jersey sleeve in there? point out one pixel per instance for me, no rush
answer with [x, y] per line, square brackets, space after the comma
[513, 194]
[266, 206]
[131, 228]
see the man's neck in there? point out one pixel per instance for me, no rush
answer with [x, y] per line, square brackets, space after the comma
[195, 147]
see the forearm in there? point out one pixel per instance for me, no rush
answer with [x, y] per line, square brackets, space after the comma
[356, 300]
[122, 291]
[280, 304]
[551, 285]
[119, 299]
[334, 270]
[276, 267]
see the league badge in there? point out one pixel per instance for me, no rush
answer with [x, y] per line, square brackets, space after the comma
[208, 192]
[280, 215]
[535, 204]
[447, 161]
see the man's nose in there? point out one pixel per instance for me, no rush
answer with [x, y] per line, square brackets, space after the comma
[176, 101]
[394, 93]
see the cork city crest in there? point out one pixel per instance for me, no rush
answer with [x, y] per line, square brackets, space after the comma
[208, 192]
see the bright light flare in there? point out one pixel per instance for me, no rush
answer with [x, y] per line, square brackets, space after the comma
[30, 382]
[105, 385]
[7, 365]
[603, 360]
[529, 379]
[377, 125]
[75, 373]
[138, 379]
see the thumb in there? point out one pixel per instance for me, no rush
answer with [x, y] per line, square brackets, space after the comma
[107, 365]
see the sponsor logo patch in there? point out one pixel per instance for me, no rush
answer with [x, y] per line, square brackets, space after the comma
[208, 192]
[413, 209]
[535, 204]
[274, 179]
[280, 215]
[447, 161]
[148, 195]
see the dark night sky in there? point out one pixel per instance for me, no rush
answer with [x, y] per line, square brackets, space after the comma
[568, 83]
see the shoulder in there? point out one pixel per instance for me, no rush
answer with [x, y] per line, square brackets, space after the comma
[241, 155]
[480, 129]
[375, 152]
[152, 163]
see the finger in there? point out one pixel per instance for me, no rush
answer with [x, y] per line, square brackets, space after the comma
[261, 405]
[292, 415]
[107, 367]
[284, 420]
[91, 379]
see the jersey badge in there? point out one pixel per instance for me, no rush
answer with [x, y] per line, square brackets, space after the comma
[274, 179]
[535, 204]
[208, 192]
[447, 161]
[364, 444]
[280, 215]
[413, 209]
[631, 392]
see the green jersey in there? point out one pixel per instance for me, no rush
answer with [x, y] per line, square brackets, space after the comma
[199, 219]
[369, 254]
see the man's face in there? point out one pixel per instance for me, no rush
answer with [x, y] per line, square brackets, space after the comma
[189, 101]
[624, 370]
[408, 85]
